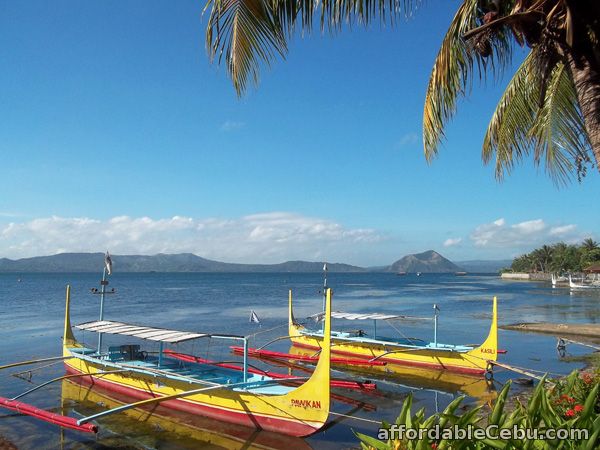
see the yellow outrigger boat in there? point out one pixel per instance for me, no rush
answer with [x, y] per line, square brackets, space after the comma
[227, 395]
[465, 359]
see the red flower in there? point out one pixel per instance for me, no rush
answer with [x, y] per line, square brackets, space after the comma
[434, 446]
[587, 378]
[564, 397]
[570, 413]
[578, 408]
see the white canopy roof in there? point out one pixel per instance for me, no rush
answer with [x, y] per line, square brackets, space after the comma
[369, 316]
[141, 332]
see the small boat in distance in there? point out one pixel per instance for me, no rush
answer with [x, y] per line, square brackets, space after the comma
[558, 279]
[401, 274]
[466, 359]
[460, 274]
[582, 285]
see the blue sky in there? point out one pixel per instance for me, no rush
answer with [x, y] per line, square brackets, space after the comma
[117, 133]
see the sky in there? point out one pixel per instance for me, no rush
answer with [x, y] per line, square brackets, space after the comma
[117, 133]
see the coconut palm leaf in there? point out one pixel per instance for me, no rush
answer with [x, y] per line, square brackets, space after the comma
[250, 32]
[507, 135]
[553, 131]
[558, 132]
[245, 32]
[452, 72]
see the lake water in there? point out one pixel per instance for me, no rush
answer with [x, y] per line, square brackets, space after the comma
[32, 313]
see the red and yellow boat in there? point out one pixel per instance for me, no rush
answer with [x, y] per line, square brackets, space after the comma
[463, 359]
[238, 397]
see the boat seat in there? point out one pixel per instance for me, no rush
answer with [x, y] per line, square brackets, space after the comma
[128, 352]
[82, 350]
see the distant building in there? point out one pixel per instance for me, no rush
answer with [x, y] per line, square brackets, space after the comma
[594, 268]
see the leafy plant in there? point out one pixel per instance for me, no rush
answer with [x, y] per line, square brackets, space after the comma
[572, 403]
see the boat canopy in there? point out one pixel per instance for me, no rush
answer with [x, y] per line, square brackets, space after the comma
[369, 316]
[141, 332]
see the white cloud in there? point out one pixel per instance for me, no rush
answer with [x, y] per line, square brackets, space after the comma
[231, 125]
[563, 230]
[9, 214]
[527, 234]
[259, 238]
[452, 242]
[407, 139]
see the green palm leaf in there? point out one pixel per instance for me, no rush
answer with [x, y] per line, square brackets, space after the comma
[554, 131]
[250, 32]
[452, 72]
[246, 32]
[558, 133]
[507, 136]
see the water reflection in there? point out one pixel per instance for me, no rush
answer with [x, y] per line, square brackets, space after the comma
[159, 427]
[478, 388]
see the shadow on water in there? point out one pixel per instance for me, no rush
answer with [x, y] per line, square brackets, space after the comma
[31, 314]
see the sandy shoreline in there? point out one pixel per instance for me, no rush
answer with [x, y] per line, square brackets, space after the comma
[588, 330]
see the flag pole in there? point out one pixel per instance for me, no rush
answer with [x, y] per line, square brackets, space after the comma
[103, 283]
[324, 289]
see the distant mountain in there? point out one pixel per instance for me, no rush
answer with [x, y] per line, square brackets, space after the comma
[182, 262]
[426, 262]
[429, 261]
[484, 266]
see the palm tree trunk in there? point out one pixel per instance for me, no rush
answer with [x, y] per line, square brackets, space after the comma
[587, 84]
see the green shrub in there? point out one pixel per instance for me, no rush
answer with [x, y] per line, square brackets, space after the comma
[572, 403]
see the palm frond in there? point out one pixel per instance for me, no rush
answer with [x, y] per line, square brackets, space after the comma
[451, 76]
[554, 131]
[246, 32]
[558, 133]
[507, 135]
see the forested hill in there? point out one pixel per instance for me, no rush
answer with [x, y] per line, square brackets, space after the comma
[183, 262]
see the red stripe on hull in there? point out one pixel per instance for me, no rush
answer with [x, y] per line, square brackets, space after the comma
[246, 419]
[450, 368]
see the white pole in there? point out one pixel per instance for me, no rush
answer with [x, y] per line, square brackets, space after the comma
[324, 290]
[103, 284]
[245, 360]
[435, 324]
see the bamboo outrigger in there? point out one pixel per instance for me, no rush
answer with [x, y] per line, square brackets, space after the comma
[243, 398]
[465, 359]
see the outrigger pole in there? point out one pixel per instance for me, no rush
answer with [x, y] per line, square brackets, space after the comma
[35, 361]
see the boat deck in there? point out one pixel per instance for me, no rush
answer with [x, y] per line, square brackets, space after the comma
[350, 337]
[176, 369]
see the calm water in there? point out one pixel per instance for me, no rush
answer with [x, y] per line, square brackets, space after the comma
[32, 312]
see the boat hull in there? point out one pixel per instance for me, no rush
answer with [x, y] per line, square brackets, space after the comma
[207, 408]
[424, 359]
[477, 361]
[299, 412]
[178, 429]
